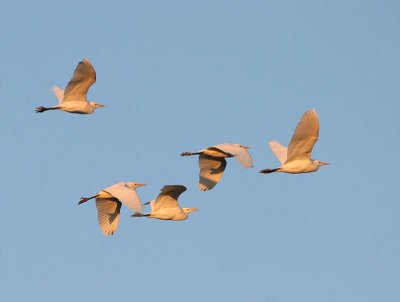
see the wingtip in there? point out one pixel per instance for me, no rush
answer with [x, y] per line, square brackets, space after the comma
[312, 110]
[203, 188]
[86, 60]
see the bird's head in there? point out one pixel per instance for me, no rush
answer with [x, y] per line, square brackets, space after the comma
[190, 210]
[134, 185]
[95, 105]
[319, 163]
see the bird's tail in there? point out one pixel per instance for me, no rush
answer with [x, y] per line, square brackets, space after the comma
[267, 171]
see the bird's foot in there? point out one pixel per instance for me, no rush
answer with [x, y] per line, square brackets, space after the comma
[186, 153]
[137, 215]
[267, 171]
[83, 199]
[40, 109]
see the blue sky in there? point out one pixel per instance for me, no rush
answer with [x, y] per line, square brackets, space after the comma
[180, 76]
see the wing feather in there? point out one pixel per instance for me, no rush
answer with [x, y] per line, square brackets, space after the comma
[59, 93]
[239, 152]
[279, 151]
[304, 137]
[211, 171]
[108, 214]
[127, 196]
[168, 198]
[152, 205]
[84, 76]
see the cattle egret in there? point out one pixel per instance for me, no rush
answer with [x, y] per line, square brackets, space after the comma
[166, 206]
[297, 157]
[74, 98]
[212, 162]
[109, 201]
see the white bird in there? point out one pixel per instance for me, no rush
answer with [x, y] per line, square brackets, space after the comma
[297, 157]
[109, 201]
[212, 162]
[166, 206]
[74, 98]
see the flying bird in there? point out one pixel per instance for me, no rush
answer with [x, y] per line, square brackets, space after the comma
[73, 99]
[297, 157]
[166, 206]
[109, 201]
[212, 162]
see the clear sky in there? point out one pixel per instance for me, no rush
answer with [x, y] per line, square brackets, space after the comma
[180, 76]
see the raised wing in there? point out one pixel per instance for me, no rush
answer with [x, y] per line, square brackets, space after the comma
[59, 93]
[211, 171]
[108, 215]
[279, 151]
[127, 196]
[304, 137]
[239, 152]
[168, 198]
[151, 203]
[77, 88]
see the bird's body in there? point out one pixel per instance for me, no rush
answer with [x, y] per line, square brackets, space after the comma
[109, 202]
[176, 214]
[77, 107]
[210, 151]
[297, 157]
[299, 166]
[212, 162]
[74, 100]
[166, 206]
[73, 107]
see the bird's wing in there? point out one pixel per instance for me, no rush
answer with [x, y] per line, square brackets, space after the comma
[168, 198]
[127, 196]
[279, 151]
[59, 93]
[304, 137]
[108, 214]
[152, 205]
[239, 152]
[77, 88]
[211, 171]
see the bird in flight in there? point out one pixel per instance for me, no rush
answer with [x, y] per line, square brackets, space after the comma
[166, 206]
[297, 157]
[109, 202]
[73, 99]
[212, 162]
